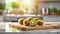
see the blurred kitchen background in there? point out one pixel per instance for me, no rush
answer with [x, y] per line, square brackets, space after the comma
[42, 7]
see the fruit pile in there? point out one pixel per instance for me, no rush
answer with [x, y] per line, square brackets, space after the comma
[30, 21]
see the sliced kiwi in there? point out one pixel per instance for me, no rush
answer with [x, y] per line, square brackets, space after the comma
[21, 21]
[40, 22]
[33, 22]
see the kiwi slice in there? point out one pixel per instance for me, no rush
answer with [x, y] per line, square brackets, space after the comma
[33, 22]
[40, 22]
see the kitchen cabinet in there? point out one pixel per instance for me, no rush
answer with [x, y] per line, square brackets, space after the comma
[34, 33]
[51, 18]
[43, 33]
[22, 33]
[58, 32]
[15, 18]
[40, 33]
[53, 33]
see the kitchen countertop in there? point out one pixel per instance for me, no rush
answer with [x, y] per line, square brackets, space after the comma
[4, 25]
[7, 29]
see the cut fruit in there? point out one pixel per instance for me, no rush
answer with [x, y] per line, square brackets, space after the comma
[32, 22]
[40, 22]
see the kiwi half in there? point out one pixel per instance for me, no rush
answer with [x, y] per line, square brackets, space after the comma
[40, 22]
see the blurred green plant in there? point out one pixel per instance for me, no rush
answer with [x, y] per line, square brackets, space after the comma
[13, 29]
[54, 10]
[15, 5]
[2, 6]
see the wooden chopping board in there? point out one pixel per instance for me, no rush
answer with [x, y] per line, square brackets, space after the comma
[22, 27]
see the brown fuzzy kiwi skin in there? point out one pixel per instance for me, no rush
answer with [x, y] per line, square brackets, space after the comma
[20, 21]
[39, 22]
[26, 22]
[29, 18]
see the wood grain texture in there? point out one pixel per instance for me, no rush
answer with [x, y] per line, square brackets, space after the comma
[22, 27]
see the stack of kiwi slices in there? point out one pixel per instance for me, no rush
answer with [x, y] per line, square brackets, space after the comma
[30, 21]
